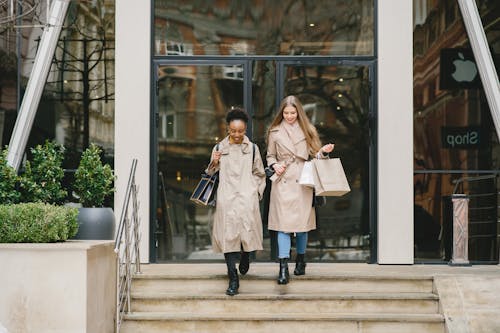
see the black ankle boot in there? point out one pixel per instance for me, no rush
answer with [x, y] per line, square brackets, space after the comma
[232, 273]
[244, 262]
[283, 274]
[300, 265]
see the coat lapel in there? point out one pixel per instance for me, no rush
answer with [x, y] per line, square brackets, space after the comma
[294, 144]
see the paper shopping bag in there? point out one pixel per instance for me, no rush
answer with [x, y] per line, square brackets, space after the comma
[206, 190]
[330, 179]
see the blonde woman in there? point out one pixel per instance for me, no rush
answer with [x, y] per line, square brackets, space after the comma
[292, 140]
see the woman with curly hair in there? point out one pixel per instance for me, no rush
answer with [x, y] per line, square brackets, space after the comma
[237, 228]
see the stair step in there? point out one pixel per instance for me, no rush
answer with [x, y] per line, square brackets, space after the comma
[330, 298]
[308, 284]
[155, 322]
[288, 303]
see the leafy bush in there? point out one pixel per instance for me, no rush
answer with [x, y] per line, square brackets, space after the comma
[37, 223]
[8, 180]
[41, 181]
[94, 182]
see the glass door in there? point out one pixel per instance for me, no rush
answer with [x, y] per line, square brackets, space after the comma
[337, 98]
[191, 103]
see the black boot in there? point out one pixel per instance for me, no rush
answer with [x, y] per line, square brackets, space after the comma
[300, 265]
[283, 274]
[244, 262]
[232, 273]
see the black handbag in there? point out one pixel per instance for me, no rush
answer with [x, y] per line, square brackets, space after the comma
[205, 192]
[269, 171]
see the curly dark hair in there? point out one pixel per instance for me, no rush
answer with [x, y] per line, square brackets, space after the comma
[236, 113]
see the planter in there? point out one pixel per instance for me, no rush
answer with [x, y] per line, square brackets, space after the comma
[65, 287]
[96, 223]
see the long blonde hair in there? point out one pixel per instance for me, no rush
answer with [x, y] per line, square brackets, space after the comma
[312, 137]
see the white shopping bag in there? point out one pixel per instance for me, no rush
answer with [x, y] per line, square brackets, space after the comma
[307, 175]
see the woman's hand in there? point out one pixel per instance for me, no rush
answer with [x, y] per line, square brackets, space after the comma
[279, 169]
[216, 156]
[328, 148]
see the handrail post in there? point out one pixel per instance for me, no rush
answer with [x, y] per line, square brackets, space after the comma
[460, 254]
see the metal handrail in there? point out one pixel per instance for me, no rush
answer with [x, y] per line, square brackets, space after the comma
[127, 247]
[459, 181]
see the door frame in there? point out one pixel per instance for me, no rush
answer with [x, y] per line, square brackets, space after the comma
[281, 62]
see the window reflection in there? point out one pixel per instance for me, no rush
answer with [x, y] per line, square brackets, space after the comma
[454, 135]
[336, 98]
[291, 27]
[192, 104]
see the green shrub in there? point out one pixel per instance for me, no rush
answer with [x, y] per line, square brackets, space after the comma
[41, 181]
[8, 180]
[37, 223]
[93, 180]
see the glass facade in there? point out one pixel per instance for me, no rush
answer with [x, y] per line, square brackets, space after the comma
[211, 56]
[263, 27]
[454, 136]
[77, 103]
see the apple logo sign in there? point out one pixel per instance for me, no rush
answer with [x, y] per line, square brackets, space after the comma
[458, 69]
[465, 70]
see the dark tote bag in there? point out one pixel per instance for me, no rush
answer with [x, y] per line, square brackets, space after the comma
[206, 190]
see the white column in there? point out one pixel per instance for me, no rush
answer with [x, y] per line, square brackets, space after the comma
[395, 132]
[132, 106]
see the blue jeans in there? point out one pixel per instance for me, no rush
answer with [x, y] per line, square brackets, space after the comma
[285, 243]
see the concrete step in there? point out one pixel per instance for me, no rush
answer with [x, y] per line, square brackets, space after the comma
[308, 284]
[287, 303]
[156, 322]
[329, 298]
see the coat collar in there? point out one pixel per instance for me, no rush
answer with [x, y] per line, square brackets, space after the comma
[288, 143]
[224, 145]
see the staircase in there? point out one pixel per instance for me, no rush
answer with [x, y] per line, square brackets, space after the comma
[190, 298]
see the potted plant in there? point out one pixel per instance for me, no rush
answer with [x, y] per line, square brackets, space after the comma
[42, 176]
[94, 183]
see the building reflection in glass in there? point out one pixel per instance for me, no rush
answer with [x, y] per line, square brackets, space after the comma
[454, 136]
[266, 27]
[192, 105]
[192, 101]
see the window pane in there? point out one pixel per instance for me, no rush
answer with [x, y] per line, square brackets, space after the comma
[192, 101]
[454, 134]
[264, 27]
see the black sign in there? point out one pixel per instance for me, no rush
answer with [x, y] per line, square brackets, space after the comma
[458, 70]
[461, 137]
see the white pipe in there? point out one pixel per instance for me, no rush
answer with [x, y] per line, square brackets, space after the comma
[486, 67]
[36, 82]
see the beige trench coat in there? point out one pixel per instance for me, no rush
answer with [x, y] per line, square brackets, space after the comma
[237, 220]
[290, 207]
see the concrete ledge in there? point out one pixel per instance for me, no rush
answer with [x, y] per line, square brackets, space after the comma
[58, 287]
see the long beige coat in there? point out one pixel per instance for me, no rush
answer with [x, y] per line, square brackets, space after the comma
[290, 207]
[237, 220]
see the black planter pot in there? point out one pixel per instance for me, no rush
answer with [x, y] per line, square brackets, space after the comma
[96, 223]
